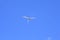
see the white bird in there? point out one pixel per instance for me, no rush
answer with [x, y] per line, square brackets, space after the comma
[28, 18]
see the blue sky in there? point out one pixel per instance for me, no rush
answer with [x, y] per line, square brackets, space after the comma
[14, 27]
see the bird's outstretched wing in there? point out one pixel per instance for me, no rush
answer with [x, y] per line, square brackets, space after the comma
[32, 17]
[25, 17]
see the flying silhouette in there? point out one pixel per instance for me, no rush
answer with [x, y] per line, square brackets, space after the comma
[28, 18]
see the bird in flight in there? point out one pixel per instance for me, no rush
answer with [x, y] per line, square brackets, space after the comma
[28, 18]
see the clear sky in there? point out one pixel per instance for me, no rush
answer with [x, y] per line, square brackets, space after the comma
[14, 27]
